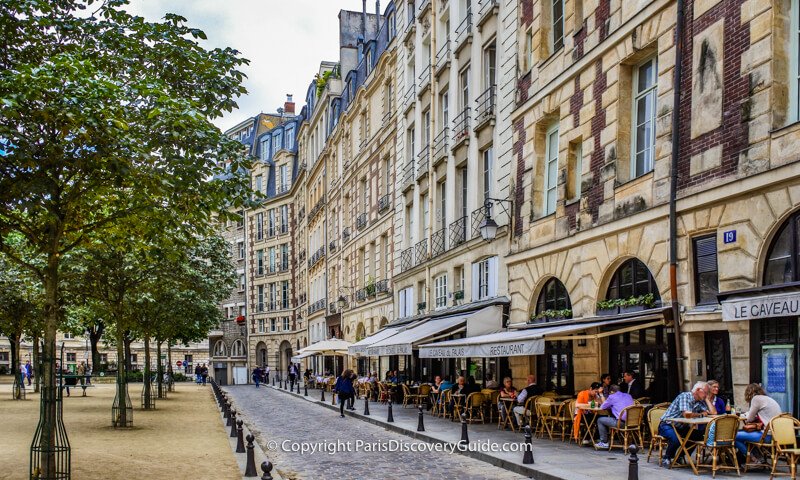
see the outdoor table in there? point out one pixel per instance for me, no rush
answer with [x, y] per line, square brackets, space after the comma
[508, 421]
[459, 399]
[693, 424]
[589, 423]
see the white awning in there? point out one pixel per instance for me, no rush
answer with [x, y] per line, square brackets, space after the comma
[766, 306]
[403, 342]
[360, 347]
[333, 346]
[516, 343]
[300, 356]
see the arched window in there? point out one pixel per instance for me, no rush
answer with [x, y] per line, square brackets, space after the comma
[237, 350]
[219, 349]
[632, 279]
[783, 259]
[554, 296]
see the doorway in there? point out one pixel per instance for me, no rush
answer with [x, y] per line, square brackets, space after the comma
[718, 361]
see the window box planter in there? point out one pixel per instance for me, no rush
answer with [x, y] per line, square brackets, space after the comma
[632, 309]
[606, 312]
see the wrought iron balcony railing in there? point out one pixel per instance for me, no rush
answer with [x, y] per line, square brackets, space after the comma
[345, 234]
[421, 251]
[384, 203]
[361, 221]
[440, 144]
[382, 286]
[424, 78]
[408, 175]
[458, 232]
[438, 243]
[461, 126]
[464, 30]
[422, 162]
[443, 55]
[407, 259]
[485, 105]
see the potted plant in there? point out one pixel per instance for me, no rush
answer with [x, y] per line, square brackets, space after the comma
[421, 306]
[369, 289]
[636, 304]
[240, 319]
[551, 315]
[608, 307]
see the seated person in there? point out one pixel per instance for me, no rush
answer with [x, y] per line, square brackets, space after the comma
[687, 405]
[762, 410]
[460, 388]
[437, 384]
[506, 391]
[584, 397]
[615, 403]
[532, 390]
[472, 386]
[605, 380]
[490, 382]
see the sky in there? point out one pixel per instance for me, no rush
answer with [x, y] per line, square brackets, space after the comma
[285, 40]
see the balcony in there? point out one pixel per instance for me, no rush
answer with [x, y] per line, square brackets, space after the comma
[384, 203]
[461, 128]
[486, 9]
[411, 27]
[443, 4]
[332, 246]
[302, 255]
[421, 306]
[407, 259]
[438, 243]
[317, 208]
[423, 8]
[361, 221]
[382, 286]
[345, 235]
[443, 57]
[409, 97]
[408, 175]
[422, 162]
[421, 252]
[318, 255]
[458, 232]
[478, 216]
[425, 79]
[301, 299]
[282, 188]
[332, 308]
[485, 109]
[440, 144]
[464, 32]
[387, 116]
[317, 306]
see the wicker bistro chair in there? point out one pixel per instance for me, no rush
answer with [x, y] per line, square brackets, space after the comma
[642, 400]
[474, 407]
[664, 405]
[491, 398]
[656, 440]
[436, 405]
[545, 411]
[561, 422]
[764, 445]
[784, 441]
[384, 395]
[630, 428]
[529, 414]
[724, 428]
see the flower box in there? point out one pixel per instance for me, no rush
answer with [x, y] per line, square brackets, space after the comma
[605, 312]
[240, 319]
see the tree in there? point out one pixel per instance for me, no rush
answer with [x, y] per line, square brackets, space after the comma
[105, 116]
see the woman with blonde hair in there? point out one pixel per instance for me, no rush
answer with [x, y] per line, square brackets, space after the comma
[762, 410]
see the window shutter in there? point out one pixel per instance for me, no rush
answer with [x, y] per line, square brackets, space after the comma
[706, 251]
[402, 304]
[409, 301]
[493, 277]
[475, 282]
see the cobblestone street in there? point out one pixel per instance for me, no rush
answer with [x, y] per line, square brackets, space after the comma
[277, 417]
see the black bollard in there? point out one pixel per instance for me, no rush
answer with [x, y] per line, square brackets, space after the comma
[366, 405]
[233, 424]
[298, 387]
[225, 408]
[230, 414]
[527, 458]
[250, 470]
[305, 390]
[266, 467]
[420, 424]
[322, 397]
[391, 418]
[633, 466]
[464, 437]
[239, 437]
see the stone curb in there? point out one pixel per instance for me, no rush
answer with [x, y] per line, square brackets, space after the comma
[484, 457]
[258, 452]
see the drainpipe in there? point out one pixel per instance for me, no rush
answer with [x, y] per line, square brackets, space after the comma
[673, 191]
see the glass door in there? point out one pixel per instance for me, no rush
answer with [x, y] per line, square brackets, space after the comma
[777, 374]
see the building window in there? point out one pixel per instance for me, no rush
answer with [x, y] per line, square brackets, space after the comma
[632, 279]
[488, 175]
[784, 254]
[484, 279]
[285, 256]
[240, 246]
[557, 34]
[273, 325]
[103, 358]
[260, 262]
[68, 336]
[259, 226]
[551, 171]
[644, 117]
[392, 31]
[135, 357]
[286, 324]
[271, 259]
[369, 61]
[265, 148]
[489, 66]
[237, 350]
[219, 349]
[554, 296]
[261, 298]
[406, 302]
[271, 223]
[277, 141]
[241, 282]
[528, 49]
[4, 357]
[259, 187]
[706, 285]
[71, 357]
[261, 326]
[464, 79]
[285, 294]
[273, 296]
[240, 220]
[575, 167]
[290, 136]
[440, 291]
[411, 146]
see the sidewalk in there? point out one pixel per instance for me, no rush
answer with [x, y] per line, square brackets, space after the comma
[554, 460]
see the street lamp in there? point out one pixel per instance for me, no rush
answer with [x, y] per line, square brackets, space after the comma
[488, 227]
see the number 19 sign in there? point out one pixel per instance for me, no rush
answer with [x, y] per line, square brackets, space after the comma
[729, 236]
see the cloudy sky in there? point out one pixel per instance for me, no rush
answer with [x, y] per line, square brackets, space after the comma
[284, 40]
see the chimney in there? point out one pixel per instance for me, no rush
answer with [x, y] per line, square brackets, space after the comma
[288, 107]
[378, 16]
[364, 20]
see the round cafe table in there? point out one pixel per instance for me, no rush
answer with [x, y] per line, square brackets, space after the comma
[589, 423]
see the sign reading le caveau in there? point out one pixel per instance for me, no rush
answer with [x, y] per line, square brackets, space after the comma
[762, 307]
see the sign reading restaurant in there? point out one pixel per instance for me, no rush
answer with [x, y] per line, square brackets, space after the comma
[786, 305]
[497, 349]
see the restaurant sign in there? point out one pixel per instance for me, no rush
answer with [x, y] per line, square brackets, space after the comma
[388, 350]
[485, 350]
[787, 305]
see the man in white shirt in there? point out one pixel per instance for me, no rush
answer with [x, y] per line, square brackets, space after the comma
[530, 391]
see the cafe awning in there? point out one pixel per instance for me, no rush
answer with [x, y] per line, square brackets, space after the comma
[360, 347]
[300, 356]
[405, 341]
[516, 343]
[333, 346]
[762, 302]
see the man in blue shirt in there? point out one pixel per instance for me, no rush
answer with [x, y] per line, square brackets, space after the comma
[686, 405]
[616, 402]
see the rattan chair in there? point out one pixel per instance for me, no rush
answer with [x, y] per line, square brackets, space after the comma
[725, 428]
[656, 440]
[784, 440]
[384, 395]
[474, 407]
[490, 403]
[529, 415]
[436, 405]
[641, 400]
[664, 405]
[562, 422]
[545, 410]
[763, 445]
[630, 428]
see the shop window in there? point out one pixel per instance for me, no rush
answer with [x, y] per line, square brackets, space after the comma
[553, 302]
[632, 279]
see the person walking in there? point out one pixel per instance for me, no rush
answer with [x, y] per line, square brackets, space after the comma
[257, 376]
[204, 373]
[292, 375]
[344, 388]
[197, 371]
[82, 376]
[28, 371]
[266, 374]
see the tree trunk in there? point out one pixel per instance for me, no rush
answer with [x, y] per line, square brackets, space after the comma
[128, 364]
[146, 376]
[13, 340]
[94, 339]
[159, 370]
[121, 419]
[171, 386]
[37, 368]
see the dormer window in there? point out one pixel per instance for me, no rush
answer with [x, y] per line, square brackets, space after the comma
[265, 149]
[352, 89]
[290, 137]
[369, 61]
[277, 140]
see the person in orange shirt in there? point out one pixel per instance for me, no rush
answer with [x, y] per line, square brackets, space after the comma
[586, 396]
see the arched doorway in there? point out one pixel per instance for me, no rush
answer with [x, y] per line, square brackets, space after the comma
[261, 354]
[555, 370]
[285, 350]
[644, 352]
